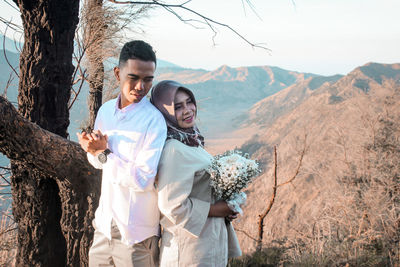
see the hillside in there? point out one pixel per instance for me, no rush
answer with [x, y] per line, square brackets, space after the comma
[264, 112]
[226, 93]
[223, 94]
[340, 119]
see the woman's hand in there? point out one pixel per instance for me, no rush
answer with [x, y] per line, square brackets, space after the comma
[221, 209]
[231, 217]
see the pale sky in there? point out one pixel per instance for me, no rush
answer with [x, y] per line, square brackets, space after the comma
[317, 36]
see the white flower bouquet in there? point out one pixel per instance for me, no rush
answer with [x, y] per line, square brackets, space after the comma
[230, 173]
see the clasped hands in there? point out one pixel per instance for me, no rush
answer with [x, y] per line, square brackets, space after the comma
[94, 142]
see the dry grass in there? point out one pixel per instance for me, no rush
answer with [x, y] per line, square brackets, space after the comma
[344, 210]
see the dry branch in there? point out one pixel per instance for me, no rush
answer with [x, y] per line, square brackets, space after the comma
[23, 140]
[5, 53]
[204, 19]
[261, 217]
[246, 234]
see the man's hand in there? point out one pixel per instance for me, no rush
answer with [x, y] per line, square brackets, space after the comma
[93, 143]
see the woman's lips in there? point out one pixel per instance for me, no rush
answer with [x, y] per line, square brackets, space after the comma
[188, 119]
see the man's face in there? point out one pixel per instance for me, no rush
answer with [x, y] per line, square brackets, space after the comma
[135, 80]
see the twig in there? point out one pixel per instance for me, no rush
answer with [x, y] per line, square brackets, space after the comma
[11, 5]
[4, 51]
[262, 216]
[82, 79]
[274, 190]
[8, 230]
[9, 81]
[13, 26]
[298, 165]
[5, 168]
[207, 20]
[246, 234]
[251, 7]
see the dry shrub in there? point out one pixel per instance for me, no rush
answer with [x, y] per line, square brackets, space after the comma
[361, 225]
[8, 239]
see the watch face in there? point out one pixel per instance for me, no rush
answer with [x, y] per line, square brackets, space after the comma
[102, 157]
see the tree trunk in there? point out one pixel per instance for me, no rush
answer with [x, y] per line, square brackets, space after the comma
[94, 41]
[53, 215]
[66, 163]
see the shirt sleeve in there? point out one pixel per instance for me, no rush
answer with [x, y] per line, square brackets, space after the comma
[175, 182]
[92, 159]
[139, 173]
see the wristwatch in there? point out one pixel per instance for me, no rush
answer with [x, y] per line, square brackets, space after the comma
[102, 157]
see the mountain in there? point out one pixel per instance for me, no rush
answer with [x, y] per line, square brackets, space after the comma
[10, 45]
[340, 119]
[256, 108]
[166, 64]
[226, 93]
[264, 112]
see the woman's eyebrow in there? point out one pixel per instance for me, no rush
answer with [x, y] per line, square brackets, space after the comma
[185, 100]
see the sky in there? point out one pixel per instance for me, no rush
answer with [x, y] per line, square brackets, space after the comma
[317, 36]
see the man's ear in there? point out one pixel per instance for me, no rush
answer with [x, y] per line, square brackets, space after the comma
[117, 72]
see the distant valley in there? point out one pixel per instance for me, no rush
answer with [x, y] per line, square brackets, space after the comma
[256, 108]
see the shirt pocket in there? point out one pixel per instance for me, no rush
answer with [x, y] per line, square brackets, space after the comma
[126, 145]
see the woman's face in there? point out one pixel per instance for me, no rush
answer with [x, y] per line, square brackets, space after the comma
[185, 109]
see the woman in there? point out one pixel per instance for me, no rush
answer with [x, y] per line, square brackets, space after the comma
[195, 232]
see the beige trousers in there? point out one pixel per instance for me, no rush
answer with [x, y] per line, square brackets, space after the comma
[114, 253]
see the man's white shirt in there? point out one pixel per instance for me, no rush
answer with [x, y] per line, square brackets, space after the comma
[136, 136]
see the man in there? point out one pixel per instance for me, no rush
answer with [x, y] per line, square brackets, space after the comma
[127, 141]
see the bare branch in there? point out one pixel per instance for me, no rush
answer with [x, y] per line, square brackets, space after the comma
[4, 51]
[11, 5]
[274, 190]
[298, 165]
[82, 79]
[9, 81]
[41, 146]
[206, 20]
[246, 234]
[8, 183]
[8, 230]
[252, 7]
[11, 25]
[262, 216]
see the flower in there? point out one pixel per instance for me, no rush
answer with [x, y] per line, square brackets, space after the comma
[231, 172]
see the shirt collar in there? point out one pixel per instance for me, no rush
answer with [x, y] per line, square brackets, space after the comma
[129, 107]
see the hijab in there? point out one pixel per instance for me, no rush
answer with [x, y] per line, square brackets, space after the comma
[162, 97]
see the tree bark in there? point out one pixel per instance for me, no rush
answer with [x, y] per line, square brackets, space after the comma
[76, 180]
[63, 160]
[94, 38]
[53, 214]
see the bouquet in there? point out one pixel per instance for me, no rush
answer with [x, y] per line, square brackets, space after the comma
[230, 173]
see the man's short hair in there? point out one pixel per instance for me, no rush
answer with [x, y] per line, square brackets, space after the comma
[137, 49]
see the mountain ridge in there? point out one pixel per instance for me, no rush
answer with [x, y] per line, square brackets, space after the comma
[336, 132]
